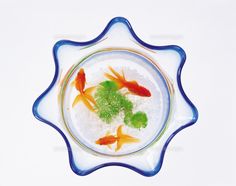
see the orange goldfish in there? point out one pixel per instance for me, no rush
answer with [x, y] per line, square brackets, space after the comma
[132, 86]
[120, 138]
[85, 94]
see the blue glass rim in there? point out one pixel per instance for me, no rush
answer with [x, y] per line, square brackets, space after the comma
[176, 48]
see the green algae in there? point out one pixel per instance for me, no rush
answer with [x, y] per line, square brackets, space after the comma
[137, 120]
[110, 102]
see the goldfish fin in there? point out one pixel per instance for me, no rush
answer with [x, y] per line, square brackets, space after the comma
[124, 138]
[134, 82]
[72, 83]
[97, 141]
[109, 146]
[90, 90]
[87, 104]
[127, 93]
[119, 132]
[76, 100]
[87, 94]
[123, 74]
[132, 93]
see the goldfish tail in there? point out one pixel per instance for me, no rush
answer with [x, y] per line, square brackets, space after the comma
[123, 138]
[90, 98]
[76, 100]
[120, 141]
[87, 94]
[111, 77]
[116, 80]
[119, 132]
[121, 78]
[87, 104]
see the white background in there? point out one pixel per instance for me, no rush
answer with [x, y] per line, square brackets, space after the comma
[32, 153]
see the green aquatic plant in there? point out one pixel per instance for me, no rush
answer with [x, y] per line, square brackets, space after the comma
[110, 102]
[137, 120]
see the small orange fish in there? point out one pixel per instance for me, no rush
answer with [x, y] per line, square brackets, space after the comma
[120, 138]
[85, 95]
[132, 86]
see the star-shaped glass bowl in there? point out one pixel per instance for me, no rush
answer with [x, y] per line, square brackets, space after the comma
[134, 127]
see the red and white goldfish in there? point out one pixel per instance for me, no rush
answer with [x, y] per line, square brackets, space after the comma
[85, 94]
[120, 139]
[132, 86]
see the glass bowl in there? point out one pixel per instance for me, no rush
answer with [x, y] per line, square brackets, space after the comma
[116, 100]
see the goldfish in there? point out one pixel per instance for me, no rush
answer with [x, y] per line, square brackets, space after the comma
[85, 94]
[120, 139]
[132, 86]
